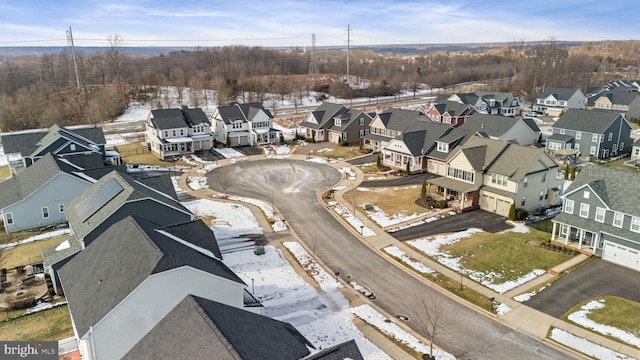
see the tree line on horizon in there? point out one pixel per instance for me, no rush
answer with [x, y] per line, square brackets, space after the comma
[38, 91]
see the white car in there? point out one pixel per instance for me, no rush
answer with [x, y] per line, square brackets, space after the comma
[530, 115]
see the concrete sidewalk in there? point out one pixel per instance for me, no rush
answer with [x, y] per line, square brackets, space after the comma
[521, 317]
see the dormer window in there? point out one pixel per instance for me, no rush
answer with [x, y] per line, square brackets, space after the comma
[337, 122]
[443, 147]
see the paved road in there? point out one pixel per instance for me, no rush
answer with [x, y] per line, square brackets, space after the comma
[592, 280]
[473, 219]
[296, 185]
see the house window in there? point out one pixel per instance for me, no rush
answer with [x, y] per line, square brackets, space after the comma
[621, 146]
[546, 194]
[610, 137]
[584, 210]
[9, 218]
[544, 177]
[594, 138]
[361, 133]
[337, 122]
[614, 148]
[443, 147]
[568, 206]
[541, 194]
[181, 132]
[617, 219]
[576, 147]
[601, 137]
[563, 229]
[361, 121]
[72, 147]
[61, 208]
[166, 134]
[525, 181]
[461, 174]
[561, 131]
[523, 201]
[499, 179]
[344, 136]
[635, 224]
[586, 194]
[592, 150]
[45, 212]
[578, 135]
[600, 214]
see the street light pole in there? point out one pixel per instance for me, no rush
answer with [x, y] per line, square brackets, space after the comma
[253, 287]
[337, 273]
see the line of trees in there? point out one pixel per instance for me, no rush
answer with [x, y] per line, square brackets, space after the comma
[37, 91]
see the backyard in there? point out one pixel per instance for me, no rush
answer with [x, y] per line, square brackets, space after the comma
[27, 253]
[137, 153]
[4, 172]
[51, 324]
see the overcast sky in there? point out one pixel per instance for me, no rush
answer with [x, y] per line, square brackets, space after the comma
[291, 23]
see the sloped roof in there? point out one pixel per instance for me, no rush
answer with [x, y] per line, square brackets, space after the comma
[119, 260]
[23, 184]
[251, 109]
[160, 182]
[195, 116]
[481, 152]
[618, 188]
[492, 125]
[26, 142]
[323, 114]
[558, 93]
[419, 142]
[177, 118]
[455, 137]
[517, 161]
[348, 118]
[617, 96]
[399, 119]
[198, 328]
[132, 190]
[197, 233]
[504, 98]
[592, 121]
[56, 133]
[346, 350]
[531, 124]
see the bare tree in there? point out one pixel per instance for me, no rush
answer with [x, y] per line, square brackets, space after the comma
[433, 314]
[113, 57]
[223, 179]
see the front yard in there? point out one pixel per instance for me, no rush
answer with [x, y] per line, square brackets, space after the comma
[394, 201]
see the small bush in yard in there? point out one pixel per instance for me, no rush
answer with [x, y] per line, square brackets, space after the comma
[442, 204]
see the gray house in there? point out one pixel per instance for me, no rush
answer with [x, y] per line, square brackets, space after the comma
[598, 134]
[521, 131]
[554, 101]
[314, 126]
[245, 124]
[176, 132]
[197, 328]
[390, 124]
[131, 277]
[622, 99]
[111, 199]
[24, 148]
[336, 123]
[601, 215]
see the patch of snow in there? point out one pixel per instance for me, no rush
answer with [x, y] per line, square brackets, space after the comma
[229, 153]
[3, 159]
[43, 236]
[197, 182]
[383, 219]
[351, 175]
[585, 346]
[581, 317]
[318, 160]
[278, 223]
[371, 316]
[399, 254]
[501, 309]
[229, 220]
[524, 297]
[518, 227]
[323, 150]
[326, 281]
[351, 219]
[63, 245]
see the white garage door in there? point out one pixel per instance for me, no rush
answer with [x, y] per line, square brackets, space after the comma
[503, 207]
[621, 255]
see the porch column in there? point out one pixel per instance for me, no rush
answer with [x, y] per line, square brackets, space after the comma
[595, 243]
[566, 237]
[553, 232]
[580, 237]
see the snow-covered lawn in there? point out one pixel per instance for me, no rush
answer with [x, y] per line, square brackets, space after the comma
[197, 182]
[501, 308]
[402, 256]
[374, 318]
[229, 153]
[43, 236]
[318, 160]
[431, 246]
[230, 220]
[277, 223]
[581, 317]
[348, 216]
[351, 175]
[585, 346]
[125, 138]
[420, 222]
[326, 281]
[527, 296]
[383, 219]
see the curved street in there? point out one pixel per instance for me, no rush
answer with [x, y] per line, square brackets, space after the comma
[294, 187]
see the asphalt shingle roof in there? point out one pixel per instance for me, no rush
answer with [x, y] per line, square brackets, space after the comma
[558, 93]
[481, 152]
[346, 350]
[120, 259]
[197, 233]
[492, 125]
[198, 328]
[617, 187]
[26, 143]
[591, 121]
[399, 119]
[323, 115]
[517, 161]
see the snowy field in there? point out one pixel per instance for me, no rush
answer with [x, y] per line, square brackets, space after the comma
[431, 246]
[581, 317]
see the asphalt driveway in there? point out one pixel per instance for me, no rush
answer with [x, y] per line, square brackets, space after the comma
[481, 219]
[594, 279]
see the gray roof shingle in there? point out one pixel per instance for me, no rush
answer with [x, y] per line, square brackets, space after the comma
[492, 125]
[592, 121]
[102, 275]
[517, 161]
[346, 350]
[558, 93]
[198, 328]
[27, 142]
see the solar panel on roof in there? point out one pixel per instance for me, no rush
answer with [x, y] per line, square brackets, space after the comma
[97, 199]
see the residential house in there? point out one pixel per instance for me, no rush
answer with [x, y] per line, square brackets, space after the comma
[635, 151]
[131, 277]
[388, 125]
[413, 145]
[346, 350]
[245, 124]
[445, 145]
[24, 148]
[450, 112]
[521, 131]
[336, 123]
[109, 200]
[492, 175]
[555, 101]
[598, 134]
[37, 197]
[601, 215]
[176, 132]
[198, 328]
[620, 99]
[492, 103]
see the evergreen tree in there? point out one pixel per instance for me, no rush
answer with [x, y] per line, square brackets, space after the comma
[423, 191]
[573, 173]
[566, 171]
[281, 137]
[407, 169]
[378, 162]
[228, 141]
[512, 212]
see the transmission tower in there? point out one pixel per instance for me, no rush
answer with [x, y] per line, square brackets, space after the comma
[73, 55]
[313, 65]
[348, 46]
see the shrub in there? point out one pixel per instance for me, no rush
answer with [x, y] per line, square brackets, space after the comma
[442, 204]
[521, 214]
[512, 212]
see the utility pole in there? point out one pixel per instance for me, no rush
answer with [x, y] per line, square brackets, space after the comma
[313, 64]
[348, 46]
[73, 55]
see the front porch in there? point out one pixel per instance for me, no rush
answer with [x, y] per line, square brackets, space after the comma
[461, 196]
[399, 161]
[576, 237]
[266, 136]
